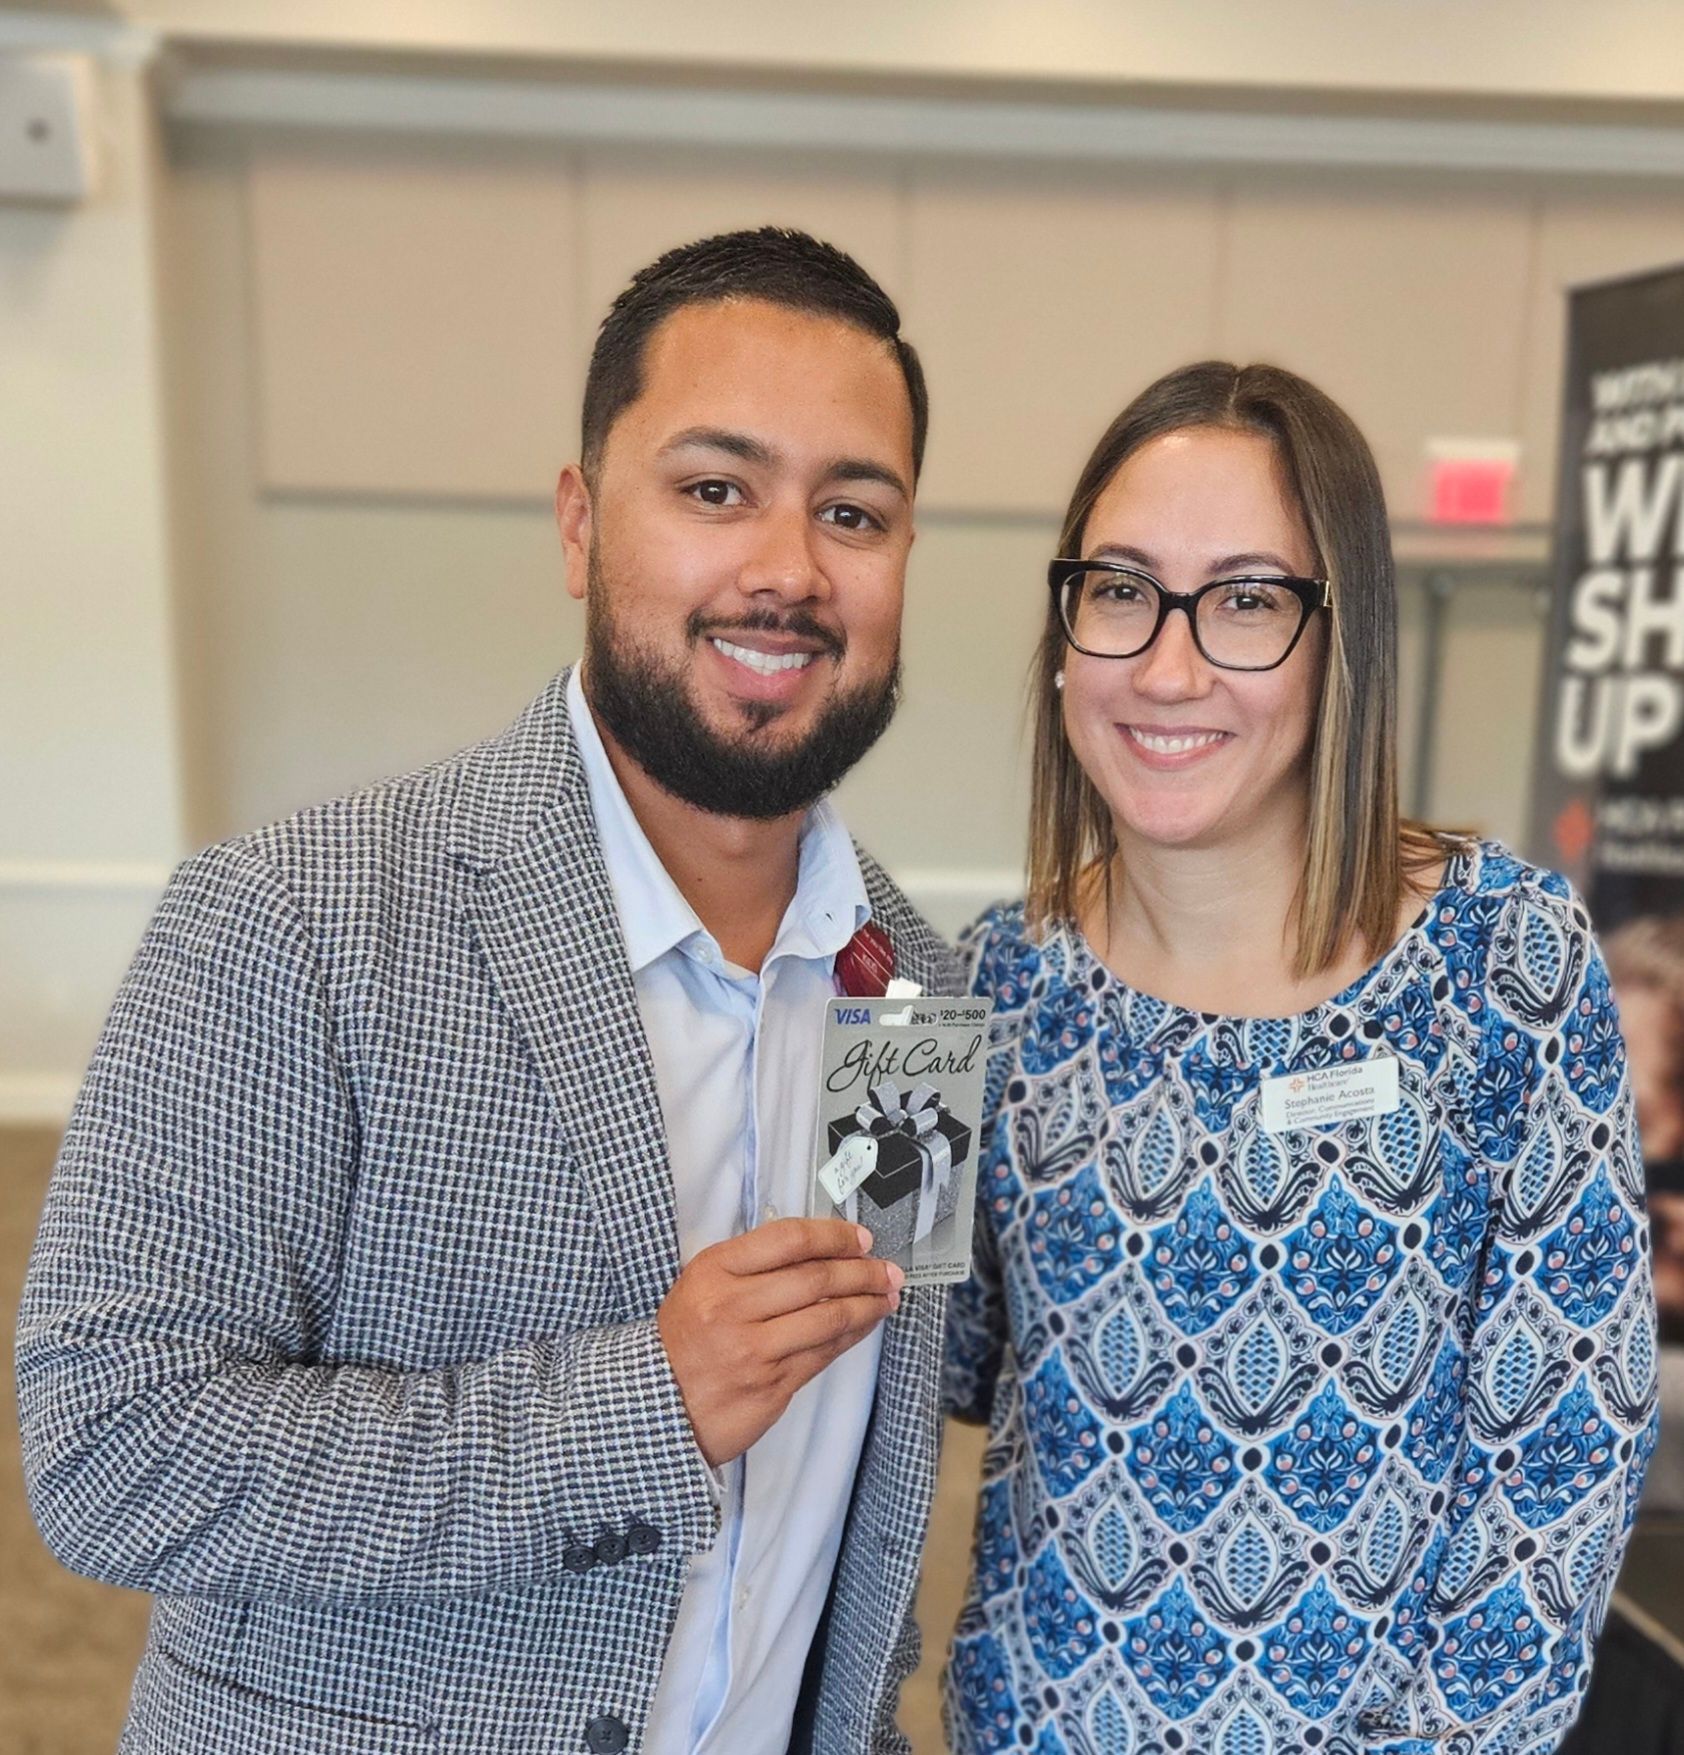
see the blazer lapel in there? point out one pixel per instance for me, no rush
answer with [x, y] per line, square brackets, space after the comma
[544, 915]
[920, 955]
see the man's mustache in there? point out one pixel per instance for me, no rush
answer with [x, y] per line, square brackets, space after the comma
[800, 622]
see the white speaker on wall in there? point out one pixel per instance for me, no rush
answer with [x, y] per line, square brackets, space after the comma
[46, 128]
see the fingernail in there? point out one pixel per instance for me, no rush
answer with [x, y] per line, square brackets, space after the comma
[865, 1239]
[894, 1302]
[897, 1275]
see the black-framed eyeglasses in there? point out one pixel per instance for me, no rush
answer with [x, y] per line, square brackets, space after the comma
[1247, 623]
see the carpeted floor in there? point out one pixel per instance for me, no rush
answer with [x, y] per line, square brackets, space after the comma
[68, 1647]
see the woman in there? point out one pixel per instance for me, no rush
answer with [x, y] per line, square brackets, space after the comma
[1311, 1313]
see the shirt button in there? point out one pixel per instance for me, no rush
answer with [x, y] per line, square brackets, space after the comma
[642, 1538]
[606, 1735]
[611, 1550]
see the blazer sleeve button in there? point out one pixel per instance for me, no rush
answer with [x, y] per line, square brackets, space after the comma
[578, 1558]
[611, 1550]
[606, 1735]
[642, 1538]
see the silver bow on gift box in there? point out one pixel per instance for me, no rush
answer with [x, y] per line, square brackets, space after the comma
[917, 1117]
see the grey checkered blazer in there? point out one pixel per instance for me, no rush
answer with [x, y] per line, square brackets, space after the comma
[339, 1330]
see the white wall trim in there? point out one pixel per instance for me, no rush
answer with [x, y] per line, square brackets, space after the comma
[951, 900]
[440, 104]
[100, 876]
[114, 41]
[27, 1100]
[982, 887]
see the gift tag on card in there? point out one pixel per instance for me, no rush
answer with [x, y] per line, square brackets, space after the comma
[848, 1166]
[900, 1103]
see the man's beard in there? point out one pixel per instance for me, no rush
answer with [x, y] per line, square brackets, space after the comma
[646, 704]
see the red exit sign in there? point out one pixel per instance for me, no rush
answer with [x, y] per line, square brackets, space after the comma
[1471, 481]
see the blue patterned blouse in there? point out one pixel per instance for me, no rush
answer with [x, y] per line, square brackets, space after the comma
[1323, 1440]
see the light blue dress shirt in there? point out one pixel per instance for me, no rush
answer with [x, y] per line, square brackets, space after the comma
[736, 1058]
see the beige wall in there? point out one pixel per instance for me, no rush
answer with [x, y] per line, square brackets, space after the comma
[1041, 298]
[90, 812]
[317, 546]
[355, 608]
[1553, 48]
[374, 417]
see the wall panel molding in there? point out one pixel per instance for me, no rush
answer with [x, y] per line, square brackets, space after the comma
[865, 123]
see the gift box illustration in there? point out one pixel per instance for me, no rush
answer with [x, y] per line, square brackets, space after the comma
[920, 1147]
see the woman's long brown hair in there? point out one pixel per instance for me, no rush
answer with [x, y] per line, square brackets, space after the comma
[1358, 855]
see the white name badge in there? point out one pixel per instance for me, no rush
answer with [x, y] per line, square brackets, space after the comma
[1350, 1091]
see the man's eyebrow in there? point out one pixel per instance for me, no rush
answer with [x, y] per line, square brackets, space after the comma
[734, 444]
[748, 449]
[864, 469]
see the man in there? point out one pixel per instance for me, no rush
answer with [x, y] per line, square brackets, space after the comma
[356, 1327]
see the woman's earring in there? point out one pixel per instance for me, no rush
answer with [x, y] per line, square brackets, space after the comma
[1058, 679]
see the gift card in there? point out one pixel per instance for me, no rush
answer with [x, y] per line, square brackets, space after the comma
[900, 1107]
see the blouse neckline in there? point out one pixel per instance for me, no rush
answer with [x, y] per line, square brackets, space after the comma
[1084, 962]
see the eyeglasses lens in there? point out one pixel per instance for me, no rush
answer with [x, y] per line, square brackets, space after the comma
[1245, 624]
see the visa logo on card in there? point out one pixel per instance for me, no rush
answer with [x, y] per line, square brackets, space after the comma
[852, 1014]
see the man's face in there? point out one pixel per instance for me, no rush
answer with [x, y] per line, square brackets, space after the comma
[743, 555]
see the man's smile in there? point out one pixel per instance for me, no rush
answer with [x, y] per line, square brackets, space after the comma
[765, 663]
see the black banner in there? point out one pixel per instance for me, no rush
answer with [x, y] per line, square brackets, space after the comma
[1608, 794]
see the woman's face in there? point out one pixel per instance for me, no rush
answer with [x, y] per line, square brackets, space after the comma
[1186, 754]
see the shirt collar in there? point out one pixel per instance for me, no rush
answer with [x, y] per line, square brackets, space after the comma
[828, 908]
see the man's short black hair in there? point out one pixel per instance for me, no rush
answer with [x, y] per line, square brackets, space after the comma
[778, 266]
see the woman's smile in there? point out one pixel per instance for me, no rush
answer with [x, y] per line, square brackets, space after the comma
[1173, 747]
